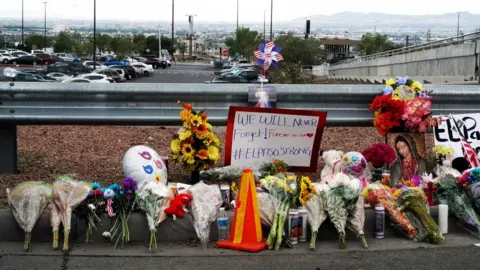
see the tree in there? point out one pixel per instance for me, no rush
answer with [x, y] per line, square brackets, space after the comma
[37, 41]
[121, 45]
[298, 54]
[64, 43]
[375, 43]
[168, 44]
[139, 43]
[103, 42]
[244, 43]
[182, 48]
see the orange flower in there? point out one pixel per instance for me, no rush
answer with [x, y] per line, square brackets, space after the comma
[201, 131]
[185, 115]
[204, 117]
[202, 154]
[185, 105]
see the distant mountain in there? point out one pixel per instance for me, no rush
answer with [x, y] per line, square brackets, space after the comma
[348, 17]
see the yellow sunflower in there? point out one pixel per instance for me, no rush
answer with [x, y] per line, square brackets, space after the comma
[206, 142]
[175, 146]
[213, 153]
[185, 135]
[196, 120]
[187, 150]
[209, 127]
[189, 160]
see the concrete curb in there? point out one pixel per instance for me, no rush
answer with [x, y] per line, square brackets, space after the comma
[180, 230]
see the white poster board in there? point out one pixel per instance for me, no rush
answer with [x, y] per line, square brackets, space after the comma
[264, 134]
[445, 134]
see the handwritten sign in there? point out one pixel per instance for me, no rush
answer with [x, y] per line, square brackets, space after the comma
[262, 135]
[447, 136]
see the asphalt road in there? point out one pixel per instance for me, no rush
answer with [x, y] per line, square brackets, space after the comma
[179, 73]
[421, 259]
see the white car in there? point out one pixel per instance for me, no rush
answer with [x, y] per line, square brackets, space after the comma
[77, 80]
[66, 57]
[147, 69]
[121, 72]
[4, 57]
[89, 65]
[96, 78]
[59, 76]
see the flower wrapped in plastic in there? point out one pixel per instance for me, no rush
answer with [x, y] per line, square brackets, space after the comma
[458, 203]
[28, 201]
[67, 195]
[266, 205]
[377, 193]
[204, 209]
[282, 188]
[413, 200]
[233, 173]
[316, 216]
[149, 200]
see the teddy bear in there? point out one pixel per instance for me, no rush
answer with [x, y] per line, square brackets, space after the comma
[176, 208]
[332, 161]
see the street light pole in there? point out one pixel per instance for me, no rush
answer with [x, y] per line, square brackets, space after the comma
[23, 39]
[238, 5]
[173, 19]
[271, 20]
[45, 23]
[160, 43]
[264, 24]
[458, 25]
[94, 34]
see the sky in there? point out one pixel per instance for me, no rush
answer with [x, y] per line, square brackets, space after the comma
[220, 10]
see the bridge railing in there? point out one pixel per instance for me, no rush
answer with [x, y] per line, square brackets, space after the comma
[414, 48]
[156, 104]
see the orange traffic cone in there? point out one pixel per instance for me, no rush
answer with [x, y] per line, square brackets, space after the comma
[246, 230]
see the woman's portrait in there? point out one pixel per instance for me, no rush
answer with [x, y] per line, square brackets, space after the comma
[408, 162]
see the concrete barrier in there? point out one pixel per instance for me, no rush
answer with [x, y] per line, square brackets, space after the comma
[180, 230]
[455, 63]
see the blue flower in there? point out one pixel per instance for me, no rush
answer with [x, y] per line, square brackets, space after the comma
[115, 187]
[387, 90]
[95, 185]
[401, 80]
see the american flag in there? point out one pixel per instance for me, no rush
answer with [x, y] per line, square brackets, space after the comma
[469, 152]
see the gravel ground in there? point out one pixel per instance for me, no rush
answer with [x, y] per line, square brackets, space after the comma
[96, 152]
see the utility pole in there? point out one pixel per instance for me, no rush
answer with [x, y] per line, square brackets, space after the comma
[160, 43]
[264, 25]
[458, 25]
[307, 29]
[271, 20]
[238, 5]
[45, 24]
[94, 34]
[190, 34]
[406, 41]
[173, 20]
[23, 37]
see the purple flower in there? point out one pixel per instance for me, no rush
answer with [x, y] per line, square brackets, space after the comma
[129, 183]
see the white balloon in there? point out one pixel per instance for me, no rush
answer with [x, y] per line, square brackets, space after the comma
[144, 165]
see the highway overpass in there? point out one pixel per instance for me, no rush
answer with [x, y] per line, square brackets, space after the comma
[452, 60]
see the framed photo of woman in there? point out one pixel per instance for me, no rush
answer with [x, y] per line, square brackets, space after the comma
[410, 150]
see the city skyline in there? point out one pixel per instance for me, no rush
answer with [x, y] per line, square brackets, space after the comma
[218, 10]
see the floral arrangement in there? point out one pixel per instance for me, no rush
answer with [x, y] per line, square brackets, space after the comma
[442, 152]
[380, 154]
[195, 146]
[412, 199]
[403, 103]
[305, 191]
[413, 181]
[380, 194]
[470, 182]
[92, 208]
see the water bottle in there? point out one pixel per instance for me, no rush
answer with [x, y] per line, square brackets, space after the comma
[222, 223]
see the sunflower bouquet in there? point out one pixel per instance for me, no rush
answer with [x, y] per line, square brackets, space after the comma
[195, 146]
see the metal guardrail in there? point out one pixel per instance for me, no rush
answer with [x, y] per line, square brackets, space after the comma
[156, 104]
[418, 47]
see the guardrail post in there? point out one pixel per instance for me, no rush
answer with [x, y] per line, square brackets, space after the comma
[8, 146]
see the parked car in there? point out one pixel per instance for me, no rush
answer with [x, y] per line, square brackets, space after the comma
[110, 73]
[25, 60]
[65, 57]
[130, 71]
[89, 65]
[147, 69]
[5, 57]
[96, 78]
[249, 74]
[46, 58]
[156, 63]
[114, 62]
[69, 68]
[77, 80]
[28, 77]
[140, 59]
[122, 73]
[59, 76]
[229, 79]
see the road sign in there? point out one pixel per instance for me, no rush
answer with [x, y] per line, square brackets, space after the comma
[225, 52]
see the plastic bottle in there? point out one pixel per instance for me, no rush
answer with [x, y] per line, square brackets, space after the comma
[222, 223]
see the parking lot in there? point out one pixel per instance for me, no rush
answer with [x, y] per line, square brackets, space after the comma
[179, 73]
